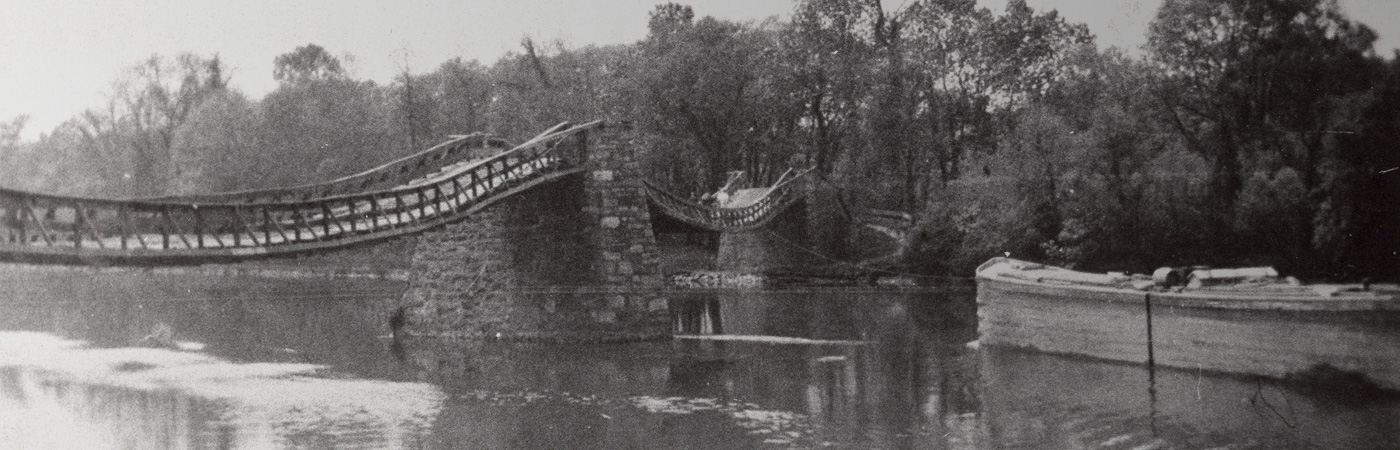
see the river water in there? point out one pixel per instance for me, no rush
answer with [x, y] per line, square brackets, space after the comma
[261, 363]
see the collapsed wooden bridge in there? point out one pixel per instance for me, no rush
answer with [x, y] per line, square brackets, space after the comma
[439, 185]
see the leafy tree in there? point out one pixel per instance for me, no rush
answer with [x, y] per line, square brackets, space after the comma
[669, 19]
[216, 149]
[10, 131]
[707, 88]
[10, 148]
[582, 85]
[848, 74]
[1357, 226]
[9, 138]
[952, 83]
[462, 91]
[1032, 51]
[827, 68]
[1244, 77]
[412, 110]
[320, 124]
[1107, 107]
[307, 63]
[128, 143]
[325, 129]
[453, 99]
[1263, 81]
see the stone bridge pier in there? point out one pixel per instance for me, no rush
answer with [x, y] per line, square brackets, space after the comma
[808, 237]
[571, 260]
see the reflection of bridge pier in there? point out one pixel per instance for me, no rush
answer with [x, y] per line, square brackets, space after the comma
[833, 393]
[868, 371]
[697, 316]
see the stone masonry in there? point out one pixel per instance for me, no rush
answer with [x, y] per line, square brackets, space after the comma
[807, 237]
[572, 260]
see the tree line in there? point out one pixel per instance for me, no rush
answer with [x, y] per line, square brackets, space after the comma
[1246, 132]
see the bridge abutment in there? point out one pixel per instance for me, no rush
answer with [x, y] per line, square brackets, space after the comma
[571, 260]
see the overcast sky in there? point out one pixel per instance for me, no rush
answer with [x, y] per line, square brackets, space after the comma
[58, 58]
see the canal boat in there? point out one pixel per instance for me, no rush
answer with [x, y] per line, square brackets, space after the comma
[1245, 321]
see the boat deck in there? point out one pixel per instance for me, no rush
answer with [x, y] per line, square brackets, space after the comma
[1251, 294]
[1271, 329]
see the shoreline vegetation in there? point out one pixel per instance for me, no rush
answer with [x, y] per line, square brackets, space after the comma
[1247, 133]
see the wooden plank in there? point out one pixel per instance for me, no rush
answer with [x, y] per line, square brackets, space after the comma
[490, 176]
[269, 225]
[20, 217]
[164, 235]
[82, 213]
[374, 213]
[77, 226]
[198, 226]
[422, 204]
[476, 181]
[218, 233]
[38, 222]
[301, 222]
[122, 217]
[437, 200]
[326, 220]
[140, 239]
[353, 215]
[398, 210]
[170, 219]
[247, 228]
[456, 195]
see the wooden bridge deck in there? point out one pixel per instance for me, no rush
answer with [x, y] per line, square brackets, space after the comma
[403, 197]
[287, 220]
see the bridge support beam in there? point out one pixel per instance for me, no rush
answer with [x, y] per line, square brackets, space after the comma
[569, 261]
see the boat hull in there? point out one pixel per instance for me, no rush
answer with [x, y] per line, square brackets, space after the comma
[1236, 333]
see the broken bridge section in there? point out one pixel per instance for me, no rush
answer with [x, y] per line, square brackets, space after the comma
[427, 193]
[799, 225]
[553, 239]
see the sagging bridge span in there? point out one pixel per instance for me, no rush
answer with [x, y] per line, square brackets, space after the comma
[436, 195]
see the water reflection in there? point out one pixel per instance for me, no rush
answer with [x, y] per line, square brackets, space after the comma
[1033, 399]
[284, 368]
[38, 411]
[692, 316]
[865, 372]
[65, 394]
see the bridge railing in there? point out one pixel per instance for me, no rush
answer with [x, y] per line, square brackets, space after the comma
[387, 175]
[759, 213]
[37, 225]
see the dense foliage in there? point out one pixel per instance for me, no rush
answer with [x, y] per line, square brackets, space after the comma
[1248, 132]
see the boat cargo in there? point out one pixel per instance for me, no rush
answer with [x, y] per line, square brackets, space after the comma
[1246, 321]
